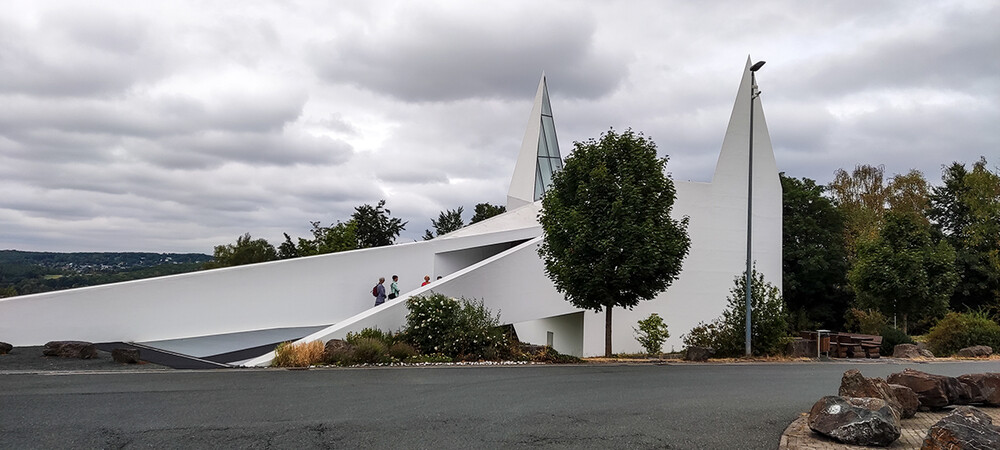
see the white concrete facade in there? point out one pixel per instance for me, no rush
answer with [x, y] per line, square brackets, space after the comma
[495, 260]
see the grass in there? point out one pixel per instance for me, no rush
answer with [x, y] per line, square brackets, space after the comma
[303, 354]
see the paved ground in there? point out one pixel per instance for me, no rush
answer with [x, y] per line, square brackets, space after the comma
[682, 406]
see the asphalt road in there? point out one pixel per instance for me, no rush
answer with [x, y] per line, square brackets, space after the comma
[712, 406]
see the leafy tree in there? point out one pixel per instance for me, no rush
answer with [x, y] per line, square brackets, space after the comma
[814, 263]
[287, 249]
[448, 221]
[609, 239]
[485, 211]
[373, 227]
[245, 251]
[966, 210]
[337, 237]
[727, 334]
[903, 271]
[909, 194]
[8, 291]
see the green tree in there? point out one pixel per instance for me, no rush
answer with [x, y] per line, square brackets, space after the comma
[966, 210]
[337, 237]
[287, 249]
[245, 251]
[448, 221]
[373, 227]
[814, 260]
[609, 239]
[903, 271]
[652, 333]
[485, 211]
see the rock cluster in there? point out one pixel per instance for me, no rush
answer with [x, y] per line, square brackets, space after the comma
[911, 351]
[125, 355]
[695, 353]
[965, 428]
[853, 384]
[70, 349]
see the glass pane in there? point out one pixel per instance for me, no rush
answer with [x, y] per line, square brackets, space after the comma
[539, 189]
[549, 129]
[545, 168]
[556, 164]
[542, 148]
[546, 107]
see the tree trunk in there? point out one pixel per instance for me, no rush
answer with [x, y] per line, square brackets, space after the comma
[607, 331]
[904, 325]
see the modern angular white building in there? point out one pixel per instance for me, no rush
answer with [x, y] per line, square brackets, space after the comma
[235, 315]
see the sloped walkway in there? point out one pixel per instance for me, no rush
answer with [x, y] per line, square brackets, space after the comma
[798, 436]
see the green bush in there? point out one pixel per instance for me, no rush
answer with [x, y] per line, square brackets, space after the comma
[959, 330]
[652, 333]
[866, 321]
[370, 333]
[891, 337]
[368, 350]
[727, 334]
[402, 351]
[460, 329]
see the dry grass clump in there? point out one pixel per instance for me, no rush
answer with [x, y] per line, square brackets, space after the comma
[303, 354]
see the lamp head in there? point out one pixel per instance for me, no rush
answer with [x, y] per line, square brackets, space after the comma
[757, 66]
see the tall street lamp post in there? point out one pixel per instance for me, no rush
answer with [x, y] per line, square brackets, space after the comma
[754, 93]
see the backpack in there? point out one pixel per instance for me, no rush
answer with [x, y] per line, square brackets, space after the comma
[375, 291]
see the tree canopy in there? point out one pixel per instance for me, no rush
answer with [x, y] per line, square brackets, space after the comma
[448, 221]
[246, 250]
[373, 226]
[609, 239]
[484, 211]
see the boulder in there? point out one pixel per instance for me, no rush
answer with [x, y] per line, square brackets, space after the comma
[5, 348]
[976, 351]
[907, 351]
[336, 350]
[983, 387]
[695, 353]
[801, 348]
[125, 355]
[934, 391]
[866, 421]
[853, 384]
[907, 399]
[70, 349]
[965, 428]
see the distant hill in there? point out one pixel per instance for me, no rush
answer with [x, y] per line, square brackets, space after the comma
[33, 272]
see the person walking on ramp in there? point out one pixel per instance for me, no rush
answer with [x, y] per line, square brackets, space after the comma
[379, 291]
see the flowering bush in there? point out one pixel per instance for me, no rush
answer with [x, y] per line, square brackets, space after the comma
[460, 329]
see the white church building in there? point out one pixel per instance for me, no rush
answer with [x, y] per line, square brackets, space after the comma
[235, 315]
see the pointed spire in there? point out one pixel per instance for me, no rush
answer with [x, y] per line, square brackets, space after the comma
[731, 168]
[539, 156]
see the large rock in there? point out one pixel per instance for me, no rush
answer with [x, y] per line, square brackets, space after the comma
[976, 351]
[983, 387]
[934, 391]
[5, 348]
[906, 398]
[801, 348]
[864, 421]
[853, 384]
[125, 355]
[70, 349]
[965, 428]
[911, 351]
[336, 350]
[694, 353]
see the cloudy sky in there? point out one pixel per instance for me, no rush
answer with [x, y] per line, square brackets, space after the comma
[177, 126]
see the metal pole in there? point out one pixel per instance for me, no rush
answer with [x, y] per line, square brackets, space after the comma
[749, 274]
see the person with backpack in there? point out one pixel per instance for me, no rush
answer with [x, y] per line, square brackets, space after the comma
[379, 291]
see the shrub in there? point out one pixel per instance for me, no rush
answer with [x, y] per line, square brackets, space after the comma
[727, 334]
[652, 333]
[370, 333]
[431, 358]
[866, 321]
[402, 351]
[550, 355]
[460, 329]
[959, 330]
[303, 354]
[368, 350]
[891, 337]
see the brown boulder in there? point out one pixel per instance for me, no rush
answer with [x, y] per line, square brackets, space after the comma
[910, 351]
[853, 384]
[864, 421]
[976, 351]
[125, 355]
[907, 399]
[5, 348]
[965, 428]
[695, 353]
[934, 391]
[801, 348]
[336, 350]
[983, 387]
[70, 349]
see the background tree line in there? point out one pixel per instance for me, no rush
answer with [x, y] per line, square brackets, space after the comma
[898, 246]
